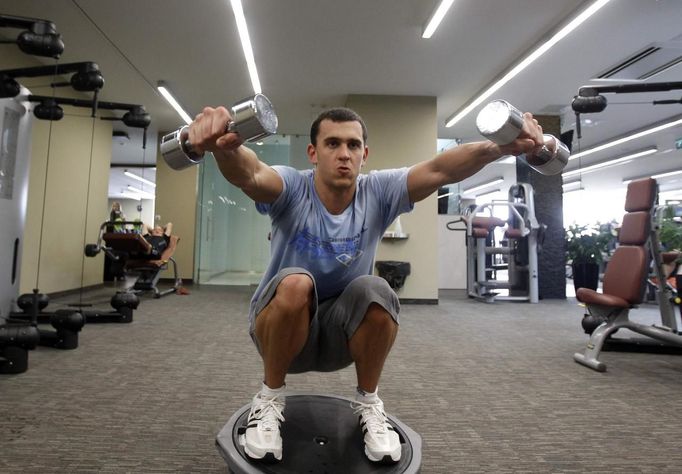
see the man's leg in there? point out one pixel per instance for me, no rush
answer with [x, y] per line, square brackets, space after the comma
[281, 330]
[282, 327]
[370, 345]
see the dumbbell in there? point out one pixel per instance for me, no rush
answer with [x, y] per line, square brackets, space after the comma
[253, 118]
[500, 122]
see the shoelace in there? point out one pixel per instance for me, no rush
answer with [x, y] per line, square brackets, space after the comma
[269, 412]
[372, 414]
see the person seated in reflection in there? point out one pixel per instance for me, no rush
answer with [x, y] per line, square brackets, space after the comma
[158, 237]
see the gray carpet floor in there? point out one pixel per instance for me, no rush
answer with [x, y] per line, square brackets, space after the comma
[491, 388]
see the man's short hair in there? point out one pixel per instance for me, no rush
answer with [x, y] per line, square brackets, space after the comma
[337, 114]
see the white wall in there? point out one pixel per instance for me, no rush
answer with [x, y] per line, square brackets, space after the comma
[389, 119]
[67, 202]
[176, 202]
[452, 254]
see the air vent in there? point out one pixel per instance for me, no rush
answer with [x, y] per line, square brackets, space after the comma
[648, 62]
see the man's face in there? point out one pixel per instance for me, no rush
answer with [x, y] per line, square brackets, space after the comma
[158, 230]
[339, 153]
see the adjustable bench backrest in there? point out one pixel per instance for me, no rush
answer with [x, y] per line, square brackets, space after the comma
[628, 268]
[133, 244]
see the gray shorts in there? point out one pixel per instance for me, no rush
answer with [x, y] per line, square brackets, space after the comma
[334, 320]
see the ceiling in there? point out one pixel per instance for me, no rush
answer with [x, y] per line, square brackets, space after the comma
[313, 53]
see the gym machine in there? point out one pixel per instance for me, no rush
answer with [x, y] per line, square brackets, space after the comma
[518, 247]
[86, 78]
[39, 38]
[666, 297]
[502, 123]
[16, 338]
[68, 322]
[135, 248]
[32, 308]
[15, 342]
[625, 283]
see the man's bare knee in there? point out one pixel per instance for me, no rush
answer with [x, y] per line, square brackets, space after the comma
[378, 316]
[294, 292]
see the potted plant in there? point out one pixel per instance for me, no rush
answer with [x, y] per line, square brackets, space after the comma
[670, 232]
[670, 237]
[585, 248]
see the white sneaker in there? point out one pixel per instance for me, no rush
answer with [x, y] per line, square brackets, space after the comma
[382, 443]
[261, 440]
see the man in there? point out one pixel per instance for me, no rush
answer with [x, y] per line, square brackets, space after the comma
[158, 237]
[318, 306]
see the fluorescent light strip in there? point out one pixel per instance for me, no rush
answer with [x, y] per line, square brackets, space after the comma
[483, 186]
[573, 24]
[128, 195]
[165, 92]
[445, 195]
[436, 17]
[494, 192]
[246, 44]
[141, 193]
[619, 141]
[566, 186]
[605, 164]
[139, 178]
[575, 190]
[655, 176]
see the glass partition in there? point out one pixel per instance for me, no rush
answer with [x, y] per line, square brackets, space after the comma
[232, 237]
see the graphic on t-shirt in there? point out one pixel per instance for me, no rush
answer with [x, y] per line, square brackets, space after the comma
[343, 250]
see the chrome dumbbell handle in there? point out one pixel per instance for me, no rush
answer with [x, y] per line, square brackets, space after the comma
[252, 118]
[501, 123]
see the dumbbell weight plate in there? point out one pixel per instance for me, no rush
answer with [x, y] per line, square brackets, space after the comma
[173, 151]
[253, 118]
[500, 122]
[552, 159]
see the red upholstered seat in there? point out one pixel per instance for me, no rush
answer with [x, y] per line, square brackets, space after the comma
[131, 243]
[623, 280]
[513, 233]
[626, 272]
[481, 226]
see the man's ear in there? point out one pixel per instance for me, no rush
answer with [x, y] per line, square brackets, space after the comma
[364, 156]
[312, 153]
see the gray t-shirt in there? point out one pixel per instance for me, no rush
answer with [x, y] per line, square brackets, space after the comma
[336, 249]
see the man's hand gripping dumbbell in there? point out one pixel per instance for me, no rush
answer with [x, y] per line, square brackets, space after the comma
[216, 129]
[503, 124]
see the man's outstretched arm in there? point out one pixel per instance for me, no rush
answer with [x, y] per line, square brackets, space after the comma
[238, 164]
[459, 163]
